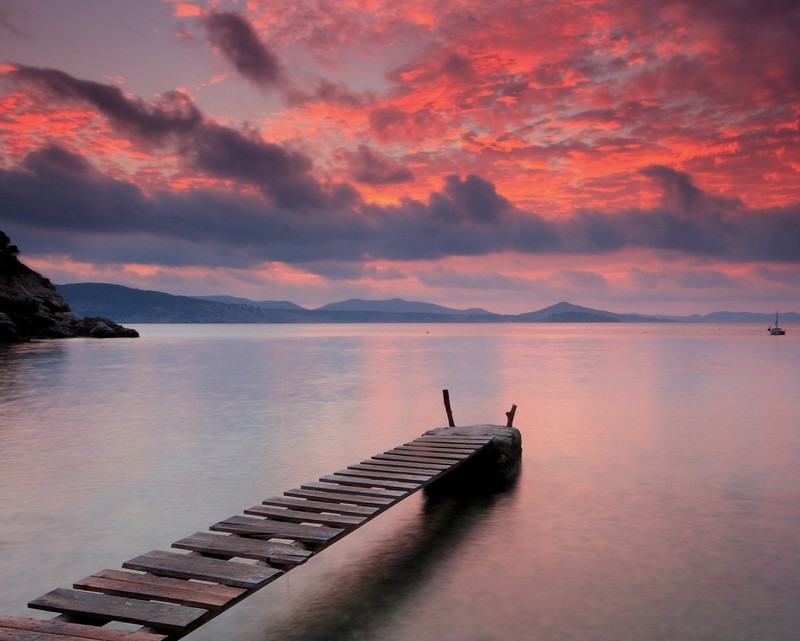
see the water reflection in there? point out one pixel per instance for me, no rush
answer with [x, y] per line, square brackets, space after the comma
[375, 588]
[659, 497]
[37, 363]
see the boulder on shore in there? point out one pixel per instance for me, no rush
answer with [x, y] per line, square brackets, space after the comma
[32, 308]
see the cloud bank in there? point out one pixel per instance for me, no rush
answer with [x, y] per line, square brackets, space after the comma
[296, 220]
[590, 137]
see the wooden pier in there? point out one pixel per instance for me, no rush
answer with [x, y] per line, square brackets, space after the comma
[171, 593]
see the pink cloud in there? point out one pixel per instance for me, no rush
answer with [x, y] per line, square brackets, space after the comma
[555, 129]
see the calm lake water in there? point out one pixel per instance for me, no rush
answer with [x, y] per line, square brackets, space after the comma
[659, 498]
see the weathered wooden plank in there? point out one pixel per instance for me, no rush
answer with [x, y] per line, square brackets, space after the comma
[424, 452]
[475, 438]
[24, 635]
[461, 440]
[393, 495]
[450, 447]
[335, 496]
[302, 516]
[147, 586]
[281, 555]
[251, 526]
[382, 474]
[103, 607]
[429, 475]
[440, 449]
[189, 566]
[399, 465]
[63, 630]
[478, 444]
[320, 506]
[341, 479]
[412, 458]
[448, 452]
[447, 455]
[425, 473]
[428, 452]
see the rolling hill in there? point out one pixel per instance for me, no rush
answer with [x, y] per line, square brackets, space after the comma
[131, 305]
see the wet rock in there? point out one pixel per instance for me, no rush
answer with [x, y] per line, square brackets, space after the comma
[97, 327]
[8, 329]
[31, 307]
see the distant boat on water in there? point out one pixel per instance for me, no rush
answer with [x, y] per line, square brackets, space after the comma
[776, 329]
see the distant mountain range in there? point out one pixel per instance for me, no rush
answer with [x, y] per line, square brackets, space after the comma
[261, 304]
[398, 305]
[128, 305]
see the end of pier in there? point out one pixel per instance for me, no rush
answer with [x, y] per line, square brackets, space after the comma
[494, 468]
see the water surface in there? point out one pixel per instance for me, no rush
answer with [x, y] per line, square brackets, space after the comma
[659, 497]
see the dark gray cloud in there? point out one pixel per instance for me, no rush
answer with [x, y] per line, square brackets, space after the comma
[281, 174]
[58, 199]
[687, 220]
[384, 118]
[296, 218]
[785, 276]
[205, 147]
[10, 24]
[372, 168]
[238, 42]
[749, 32]
[392, 123]
[451, 278]
[329, 92]
[685, 278]
[458, 67]
[58, 190]
[174, 115]
[473, 200]
[582, 280]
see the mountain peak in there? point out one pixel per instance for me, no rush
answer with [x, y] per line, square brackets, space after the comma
[394, 306]
[567, 312]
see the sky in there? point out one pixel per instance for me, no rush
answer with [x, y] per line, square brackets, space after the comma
[629, 155]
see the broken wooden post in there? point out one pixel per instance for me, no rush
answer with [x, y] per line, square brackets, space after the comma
[510, 416]
[450, 421]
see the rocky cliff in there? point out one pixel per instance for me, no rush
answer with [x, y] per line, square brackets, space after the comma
[30, 306]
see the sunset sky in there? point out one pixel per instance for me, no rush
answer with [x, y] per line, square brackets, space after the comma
[631, 155]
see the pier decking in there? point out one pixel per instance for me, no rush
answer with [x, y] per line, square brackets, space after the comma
[171, 593]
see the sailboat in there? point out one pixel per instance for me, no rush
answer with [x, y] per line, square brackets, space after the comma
[776, 330]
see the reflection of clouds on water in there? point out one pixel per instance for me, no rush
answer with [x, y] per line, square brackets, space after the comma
[28, 371]
[375, 588]
[36, 363]
[8, 371]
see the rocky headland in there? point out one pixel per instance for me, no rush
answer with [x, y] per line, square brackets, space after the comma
[31, 308]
